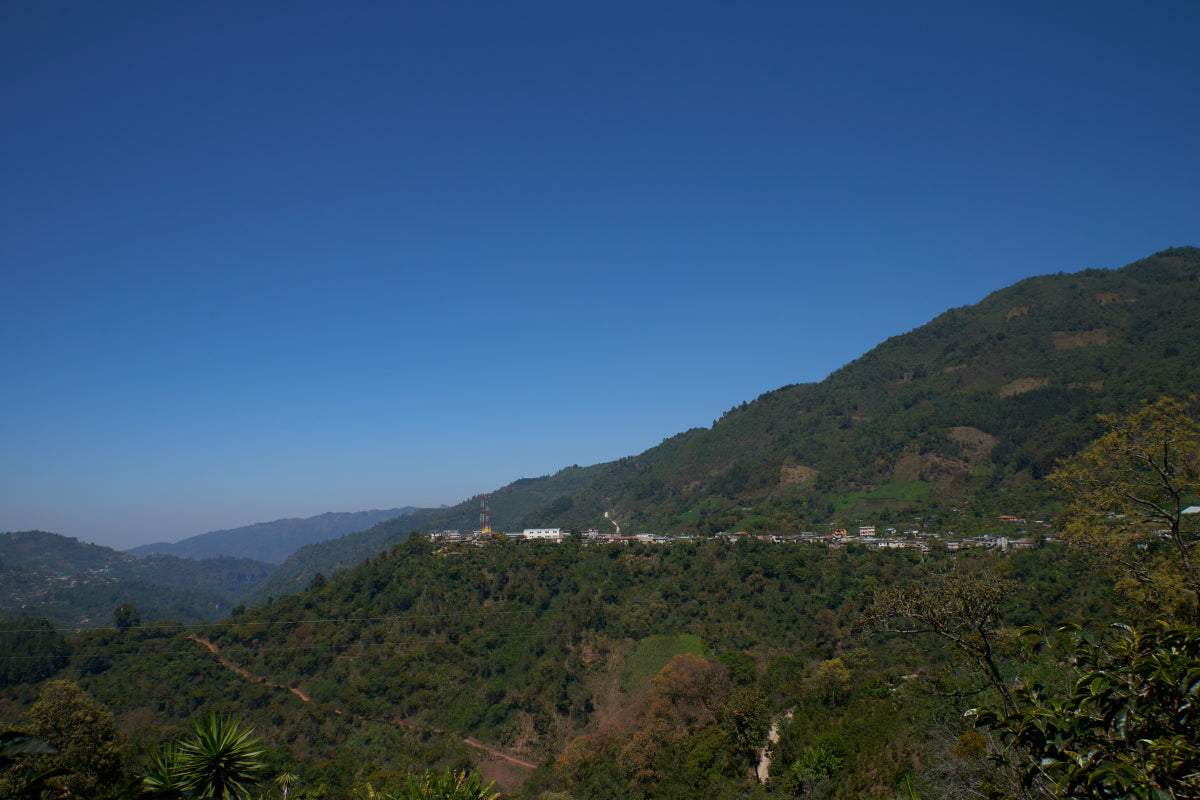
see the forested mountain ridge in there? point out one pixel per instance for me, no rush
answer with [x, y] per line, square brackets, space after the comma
[72, 582]
[274, 541]
[975, 406]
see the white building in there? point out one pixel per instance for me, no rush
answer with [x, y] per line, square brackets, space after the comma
[554, 534]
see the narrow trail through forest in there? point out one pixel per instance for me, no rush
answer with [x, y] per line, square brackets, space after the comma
[767, 752]
[470, 741]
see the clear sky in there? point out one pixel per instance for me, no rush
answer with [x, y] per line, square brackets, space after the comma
[264, 260]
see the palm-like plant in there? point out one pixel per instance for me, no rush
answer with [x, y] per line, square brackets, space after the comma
[221, 760]
[286, 780]
[161, 774]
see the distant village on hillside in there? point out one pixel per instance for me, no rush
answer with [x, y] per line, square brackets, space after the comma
[866, 535]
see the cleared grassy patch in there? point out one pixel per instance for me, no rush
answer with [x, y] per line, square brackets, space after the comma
[899, 492]
[653, 653]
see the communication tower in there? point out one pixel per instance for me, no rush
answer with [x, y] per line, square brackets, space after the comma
[485, 517]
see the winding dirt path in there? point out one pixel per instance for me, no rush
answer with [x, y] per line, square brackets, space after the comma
[470, 741]
[498, 753]
[212, 648]
[764, 755]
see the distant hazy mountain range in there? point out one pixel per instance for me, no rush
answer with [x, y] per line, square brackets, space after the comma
[274, 541]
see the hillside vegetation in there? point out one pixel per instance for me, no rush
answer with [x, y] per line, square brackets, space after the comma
[947, 426]
[77, 583]
[548, 652]
[975, 407]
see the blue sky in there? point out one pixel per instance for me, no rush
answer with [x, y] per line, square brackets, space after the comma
[275, 259]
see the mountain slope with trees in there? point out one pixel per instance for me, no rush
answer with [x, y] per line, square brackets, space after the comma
[73, 582]
[634, 670]
[549, 651]
[951, 425]
[975, 407]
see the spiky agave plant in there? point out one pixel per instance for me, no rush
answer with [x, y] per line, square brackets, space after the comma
[220, 760]
[450, 786]
[161, 775]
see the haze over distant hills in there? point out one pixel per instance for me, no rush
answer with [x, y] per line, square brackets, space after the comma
[272, 541]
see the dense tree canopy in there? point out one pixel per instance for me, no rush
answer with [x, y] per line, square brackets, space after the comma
[85, 734]
[1128, 493]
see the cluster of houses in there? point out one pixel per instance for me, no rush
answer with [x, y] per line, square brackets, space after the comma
[865, 535]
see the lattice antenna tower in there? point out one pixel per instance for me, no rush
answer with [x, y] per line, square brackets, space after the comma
[485, 516]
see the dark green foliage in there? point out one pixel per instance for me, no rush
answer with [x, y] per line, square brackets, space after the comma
[448, 786]
[31, 650]
[515, 644]
[21, 784]
[84, 734]
[1128, 728]
[126, 616]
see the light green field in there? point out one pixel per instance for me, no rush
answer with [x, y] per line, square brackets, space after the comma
[653, 653]
[898, 493]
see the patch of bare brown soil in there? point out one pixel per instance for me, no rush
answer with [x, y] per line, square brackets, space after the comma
[795, 475]
[977, 442]
[141, 717]
[1016, 311]
[612, 706]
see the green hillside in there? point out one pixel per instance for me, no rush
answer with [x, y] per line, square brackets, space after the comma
[973, 408]
[541, 651]
[76, 583]
[950, 425]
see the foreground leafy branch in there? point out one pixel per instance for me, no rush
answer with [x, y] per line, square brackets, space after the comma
[1129, 492]
[962, 608]
[1129, 729]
